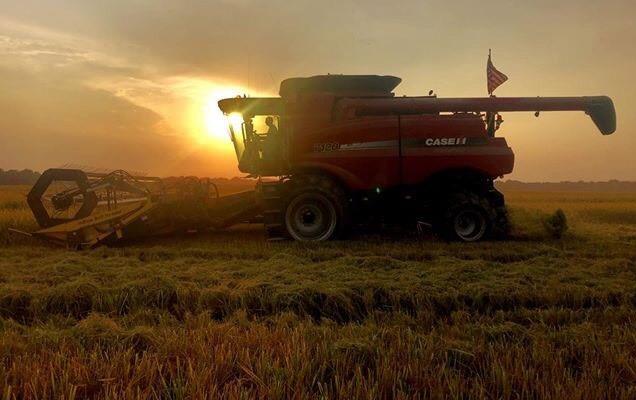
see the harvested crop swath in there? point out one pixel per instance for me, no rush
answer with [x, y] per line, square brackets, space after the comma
[229, 315]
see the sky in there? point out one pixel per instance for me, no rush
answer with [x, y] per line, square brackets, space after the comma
[133, 84]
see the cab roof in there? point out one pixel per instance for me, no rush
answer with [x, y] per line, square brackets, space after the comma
[350, 85]
[252, 105]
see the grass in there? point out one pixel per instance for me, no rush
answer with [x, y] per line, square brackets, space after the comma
[14, 213]
[230, 315]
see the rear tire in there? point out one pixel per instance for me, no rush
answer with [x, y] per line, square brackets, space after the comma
[470, 217]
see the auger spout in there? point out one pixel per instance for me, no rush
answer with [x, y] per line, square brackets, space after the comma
[599, 108]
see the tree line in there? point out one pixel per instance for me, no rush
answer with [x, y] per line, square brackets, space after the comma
[16, 177]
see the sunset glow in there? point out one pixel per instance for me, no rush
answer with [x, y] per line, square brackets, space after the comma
[215, 123]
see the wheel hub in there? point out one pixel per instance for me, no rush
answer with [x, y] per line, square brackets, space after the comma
[308, 217]
[62, 202]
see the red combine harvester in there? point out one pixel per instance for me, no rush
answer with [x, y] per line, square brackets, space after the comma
[340, 151]
[349, 152]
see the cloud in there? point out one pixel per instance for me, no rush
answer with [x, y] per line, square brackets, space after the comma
[156, 66]
[54, 115]
[65, 102]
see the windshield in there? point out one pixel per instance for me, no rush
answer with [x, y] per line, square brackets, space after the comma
[237, 133]
[257, 141]
[261, 125]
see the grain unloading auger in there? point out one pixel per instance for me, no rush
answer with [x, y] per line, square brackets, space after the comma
[78, 209]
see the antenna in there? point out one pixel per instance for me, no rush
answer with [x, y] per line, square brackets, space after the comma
[271, 77]
[248, 71]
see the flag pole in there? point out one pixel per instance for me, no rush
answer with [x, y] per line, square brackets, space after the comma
[490, 117]
[489, 61]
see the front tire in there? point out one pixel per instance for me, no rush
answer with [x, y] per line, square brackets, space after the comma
[311, 208]
[311, 216]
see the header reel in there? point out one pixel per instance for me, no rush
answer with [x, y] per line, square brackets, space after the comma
[81, 209]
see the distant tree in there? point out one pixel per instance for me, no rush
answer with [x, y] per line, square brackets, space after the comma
[15, 177]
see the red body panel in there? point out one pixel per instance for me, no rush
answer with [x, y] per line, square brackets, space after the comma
[364, 153]
[422, 158]
[385, 151]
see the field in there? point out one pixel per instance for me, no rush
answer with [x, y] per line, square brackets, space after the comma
[230, 315]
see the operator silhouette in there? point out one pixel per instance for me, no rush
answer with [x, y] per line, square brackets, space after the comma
[272, 129]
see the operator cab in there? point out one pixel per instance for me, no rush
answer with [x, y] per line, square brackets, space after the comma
[257, 134]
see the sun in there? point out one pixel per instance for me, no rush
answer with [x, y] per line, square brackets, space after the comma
[214, 122]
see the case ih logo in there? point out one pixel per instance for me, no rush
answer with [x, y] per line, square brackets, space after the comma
[460, 141]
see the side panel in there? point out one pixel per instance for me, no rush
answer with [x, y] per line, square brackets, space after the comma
[363, 152]
[434, 143]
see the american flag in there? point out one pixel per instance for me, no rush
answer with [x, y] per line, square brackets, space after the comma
[495, 78]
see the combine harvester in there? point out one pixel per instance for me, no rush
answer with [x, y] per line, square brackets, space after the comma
[341, 152]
